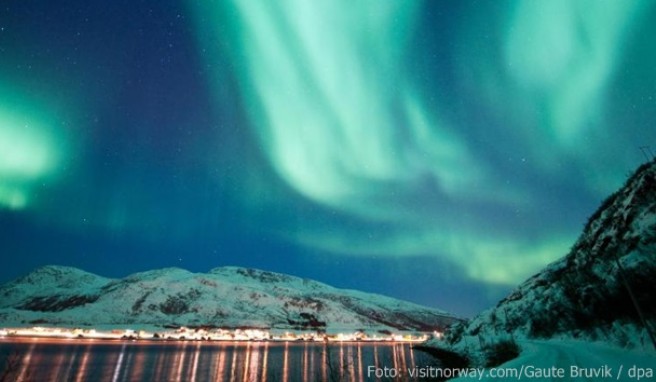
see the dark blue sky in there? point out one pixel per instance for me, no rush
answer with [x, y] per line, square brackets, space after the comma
[439, 152]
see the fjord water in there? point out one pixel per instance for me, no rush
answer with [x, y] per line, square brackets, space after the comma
[94, 360]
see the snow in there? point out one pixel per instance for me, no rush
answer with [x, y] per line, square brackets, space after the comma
[574, 360]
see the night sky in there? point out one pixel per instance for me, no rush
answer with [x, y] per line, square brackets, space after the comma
[439, 152]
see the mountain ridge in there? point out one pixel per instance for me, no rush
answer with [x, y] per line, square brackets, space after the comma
[223, 297]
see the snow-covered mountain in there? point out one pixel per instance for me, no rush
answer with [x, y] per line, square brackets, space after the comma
[584, 295]
[228, 297]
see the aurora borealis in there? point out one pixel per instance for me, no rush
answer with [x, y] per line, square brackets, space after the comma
[439, 152]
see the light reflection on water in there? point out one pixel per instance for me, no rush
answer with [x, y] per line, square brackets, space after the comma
[94, 360]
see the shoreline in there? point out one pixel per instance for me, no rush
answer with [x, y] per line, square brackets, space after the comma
[199, 335]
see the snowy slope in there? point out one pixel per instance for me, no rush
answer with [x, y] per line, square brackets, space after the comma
[224, 297]
[570, 360]
[583, 295]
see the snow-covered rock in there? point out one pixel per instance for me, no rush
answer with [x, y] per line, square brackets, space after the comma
[229, 297]
[585, 294]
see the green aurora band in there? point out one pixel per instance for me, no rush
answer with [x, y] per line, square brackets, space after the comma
[344, 123]
[29, 150]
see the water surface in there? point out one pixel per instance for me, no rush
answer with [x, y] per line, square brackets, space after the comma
[99, 360]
